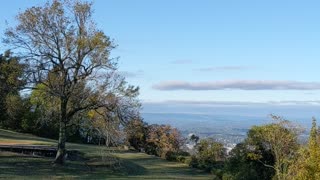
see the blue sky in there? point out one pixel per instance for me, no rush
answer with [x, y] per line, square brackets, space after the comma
[211, 52]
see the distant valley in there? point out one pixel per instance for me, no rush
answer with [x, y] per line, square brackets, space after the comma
[228, 129]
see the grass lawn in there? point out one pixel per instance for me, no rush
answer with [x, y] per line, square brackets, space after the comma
[98, 162]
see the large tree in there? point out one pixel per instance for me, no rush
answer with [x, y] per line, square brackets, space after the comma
[69, 56]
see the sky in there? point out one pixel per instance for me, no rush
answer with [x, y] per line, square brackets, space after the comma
[211, 52]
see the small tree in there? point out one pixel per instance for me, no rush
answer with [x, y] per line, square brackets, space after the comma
[210, 150]
[209, 154]
[69, 56]
[136, 132]
[163, 139]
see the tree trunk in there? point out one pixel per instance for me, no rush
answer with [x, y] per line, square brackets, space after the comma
[62, 151]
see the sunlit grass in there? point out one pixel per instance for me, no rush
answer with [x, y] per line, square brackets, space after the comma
[4, 141]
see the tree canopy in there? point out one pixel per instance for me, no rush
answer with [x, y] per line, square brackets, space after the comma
[11, 82]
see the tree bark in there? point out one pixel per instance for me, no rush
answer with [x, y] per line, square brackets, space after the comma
[62, 151]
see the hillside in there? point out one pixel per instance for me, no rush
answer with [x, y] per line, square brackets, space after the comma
[96, 162]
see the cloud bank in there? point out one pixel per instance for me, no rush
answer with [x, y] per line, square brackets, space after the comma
[237, 85]
[235, 103]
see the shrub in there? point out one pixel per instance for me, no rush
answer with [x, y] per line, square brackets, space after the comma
[210, 154]
[177, 156]
[163, 139]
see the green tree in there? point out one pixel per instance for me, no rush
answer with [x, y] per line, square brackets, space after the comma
[68, 55]
[137, 132]
[11, 82]
[280, 138]
[240, 166]
[209, 154]
[268, 152]
[307, 165]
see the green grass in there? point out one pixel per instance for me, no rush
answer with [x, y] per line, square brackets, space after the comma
[98, 162]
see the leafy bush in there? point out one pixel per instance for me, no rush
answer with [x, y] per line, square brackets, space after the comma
[136, 131]
[210, 155]
[163, 139]
[177, 156]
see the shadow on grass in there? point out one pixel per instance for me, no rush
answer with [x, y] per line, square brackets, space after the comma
[132, 168]
[98, 162]
[157, 166]
[23, 166]
[14, 165]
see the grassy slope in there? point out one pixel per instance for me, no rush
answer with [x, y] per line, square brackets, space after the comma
[99, 163]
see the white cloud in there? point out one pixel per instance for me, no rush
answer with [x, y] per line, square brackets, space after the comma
[234, 103]
[238, 85]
